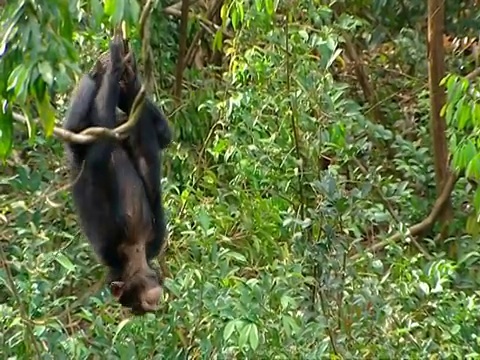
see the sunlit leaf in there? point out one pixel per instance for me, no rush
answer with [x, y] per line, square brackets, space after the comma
[46, 71]
[464, 117]
[47, 114]
[65, 262]
[109, 6]
[120, 326]
[218, 40]
[234, 18]
[269, 7]
[424, 287]
[229, 329]
[254, 337]
[244, 335]
[224, 12]
[6, 131]
[473, 168]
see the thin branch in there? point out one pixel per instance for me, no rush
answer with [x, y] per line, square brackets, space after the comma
[196, 39]
[425, 224]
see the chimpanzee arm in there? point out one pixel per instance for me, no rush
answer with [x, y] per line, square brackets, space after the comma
[109, 92]
[77, 117]
[96, 191]
[164, 133]
[104, 115]
[150, 111]
[82, 98]
[156, 245]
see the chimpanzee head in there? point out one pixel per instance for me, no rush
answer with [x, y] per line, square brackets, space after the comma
[140, 292]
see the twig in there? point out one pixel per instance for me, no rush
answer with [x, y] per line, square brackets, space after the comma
[195, 42]
[145, 36]
[425, 224]
[391, 210]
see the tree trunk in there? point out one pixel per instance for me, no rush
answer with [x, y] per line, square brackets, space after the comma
[436, 71]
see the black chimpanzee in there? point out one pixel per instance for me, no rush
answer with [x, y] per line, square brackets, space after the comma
[116, 186]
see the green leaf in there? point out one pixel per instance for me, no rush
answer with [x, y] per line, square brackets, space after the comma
[46, 72]
[65, 262]
[47, 114]
[424, 288]
[218, 40]
[133, 12]
[443, 110]
[119, 12]
[6, 131]
[269, 6]
[476, 200]
[229, 329]
[240, 11]
[244, 333]
[204, 219]
[455, 329]
[449, 114]
[234, 18]
[18, 80]
[109, 7]
[471, 227]
[254, 339]
[285, 300]
[473, 168]
[476, 114]
[464, 117]
[96, 10]
[237, 256]
[120, 326]
[224, 13]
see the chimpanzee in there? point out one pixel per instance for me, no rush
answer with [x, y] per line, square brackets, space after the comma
[151, 134]
[125, 227]
[145, 142]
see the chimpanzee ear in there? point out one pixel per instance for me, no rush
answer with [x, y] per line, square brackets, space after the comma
[116, 287]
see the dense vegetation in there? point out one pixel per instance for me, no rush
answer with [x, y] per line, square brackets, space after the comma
[310, 212]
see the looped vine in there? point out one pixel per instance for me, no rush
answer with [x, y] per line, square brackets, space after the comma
[91, 134]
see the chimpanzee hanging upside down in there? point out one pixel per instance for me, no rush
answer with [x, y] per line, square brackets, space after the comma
[116, 188]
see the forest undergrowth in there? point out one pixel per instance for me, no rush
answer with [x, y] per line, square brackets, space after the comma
[280, 184]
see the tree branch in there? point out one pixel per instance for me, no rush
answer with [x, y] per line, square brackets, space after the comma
[425, 224]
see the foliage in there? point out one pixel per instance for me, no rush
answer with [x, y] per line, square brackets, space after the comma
[279, 176]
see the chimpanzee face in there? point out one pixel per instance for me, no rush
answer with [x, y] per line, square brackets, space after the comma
[140, 293]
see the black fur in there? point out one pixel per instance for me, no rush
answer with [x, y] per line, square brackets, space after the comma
[146, 140]
[115, 208]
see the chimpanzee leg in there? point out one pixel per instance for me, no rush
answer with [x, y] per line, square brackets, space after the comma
[163, 130]
[77, 117]
[158, 214]
[99, 158]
